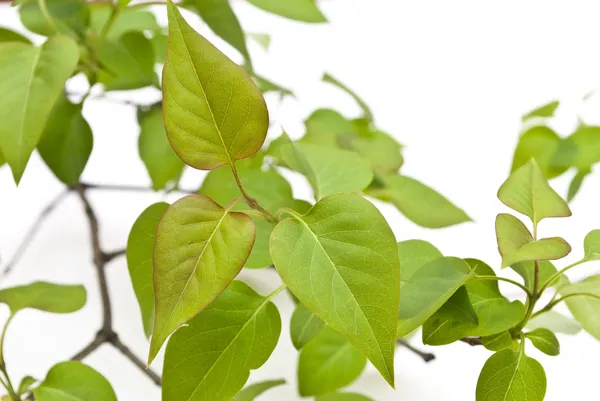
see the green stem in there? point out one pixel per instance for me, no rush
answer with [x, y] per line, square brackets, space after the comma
[250, 200]
[2, 362]
[47, 16]
[7, 384]
[559, 273]
[109, 22]
[507, 280]
[553, 303]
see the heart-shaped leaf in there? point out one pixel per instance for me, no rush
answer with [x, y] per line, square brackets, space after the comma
[74, 381]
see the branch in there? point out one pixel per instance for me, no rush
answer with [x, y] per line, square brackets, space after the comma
[116, 342]
[427, 357]
[472, 341]
[128, 188]
[109, 256]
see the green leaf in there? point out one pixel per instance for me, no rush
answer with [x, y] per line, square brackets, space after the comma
[31, 79]
[211, 357]
[540, 143]
[263, 39]
[328, 363]
[160, 160]
[214, 113]
[414, 254]
[74, 381]
[453, 321]
[545, 341]
[221, 19]
[428, 289]
[48, 297]
[585, 309]
[576, 183]
[591, 245]
[555, 322]
[344, 251]
[128, 63]
[328, 170]
[6, 35]
[266, 86]
[159, 43]
[418, 202]
[67, 141]
[249, 393]
[343, 397]
[546, 270]
[381, 149]
[127, 20]
[199, 249]
[500, 341]
[580, 150]
[511, 376]
[527, 191]
[300, 10]
[544, 111]
[26, 383]
[326, 127]
[140, 247]
[2, 159]
[367, 114]
[304, 326]
[69, 16]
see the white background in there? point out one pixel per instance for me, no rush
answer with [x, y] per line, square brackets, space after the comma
[449, 79]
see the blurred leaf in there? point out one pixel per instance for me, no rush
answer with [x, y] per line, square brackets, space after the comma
[419, 203]
[527, 271]
[555, 322]
[367, 114]
[47, 297]
[266, 86]
[127, 20]
[140, 246]
[580, 150]
[159, 44]
[585, 309]
[69, 16]
[2, 159]
[381, 149]
[527, 191]
[413, 255]
[249, 393]
[540, 143]
[6, 35]
[328, 363]
[69, 381]
[30, 85]
[325, 127]
[304, 326]
[263, 39]
[500, 341]
[300, 10]
[211, 357]
[26, 383]
[343, 397]
[545, 341]
[67, 141]
[576, 184]
[544, 111]
[453, 321]
[591, 245]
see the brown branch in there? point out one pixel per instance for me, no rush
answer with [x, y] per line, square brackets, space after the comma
[426, 356]
[472, 341]
[109, 256]
[116, 342]
[128, 188]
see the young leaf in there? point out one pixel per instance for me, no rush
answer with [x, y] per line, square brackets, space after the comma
[140, 247]
[249, 393]
[67, 141]
[511, 234]
[453, 321]
[6, 35]
[555, 322]
[546, 270]
[199, 248]
[580, 150]
[381, 149]
[214, 113]
[511, 375]
[326, 127]
[74, 381]
[304, 326]
[591, 245]
[300, 10]
[26, 383]
[545, 341]
[544, 111]
[48, 297]
[341, 261]
[585, 309]
[418, 202]
[211, 357]
[527, 191]
[162, 163]
[30, 84]
[500, 341]
[428, 289]
[68, 16]
[413, 255]
[127, 20]
[540, 143]
[328, 363]
[367, 114]
[343, 397]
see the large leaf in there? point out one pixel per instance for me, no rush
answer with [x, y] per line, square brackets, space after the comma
[74, 381]
[211, 357]
[545, 341]
[511, 376]
[418, 202]
[585, 309]
[546, 270]
[304, 326]
[140, 247]
[544, 111]
[527, 191]
[68, 16]
[453, 321]
[341, 261]
[540, 143]
[343, 397]
[199, 248]
[214, 113]
[6, 35]
[300, 10]
[328, 363]
[249, 393]
[158, 156]
[67, 141]
[48, 297]
[367, 114]
[428, 289]
[31, 79]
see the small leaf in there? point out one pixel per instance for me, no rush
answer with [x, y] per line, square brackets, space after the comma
[428, 289]
[249, 393]
[214, 113]
[266, 86]
[300, 10]
[545, 341]
[500, 341]
[413, 255]
[160, 160]
[69, 16]
[48, 297]
[263, 39]
[576, 183]
[140, 247]
[453, 321]
[67, 141]
[328, 363]
[367, 114]
[304, 326]
[418, 202]
[343, 397]
[585, 309]
[30, 85]
[127, 20]
[555, 322]
[211, 357]
[199, 248]
[341, 260]
[591, 245]
[544, 111]
[6, 35]
[540, 143]
[511, 375]
[527, 191]
[26, 383]
[69, 381]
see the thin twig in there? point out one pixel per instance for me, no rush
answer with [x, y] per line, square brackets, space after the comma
[91, 347]
[472, 341]
[116, 342]
[128, 188]
[426, 356]
[109, 256]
